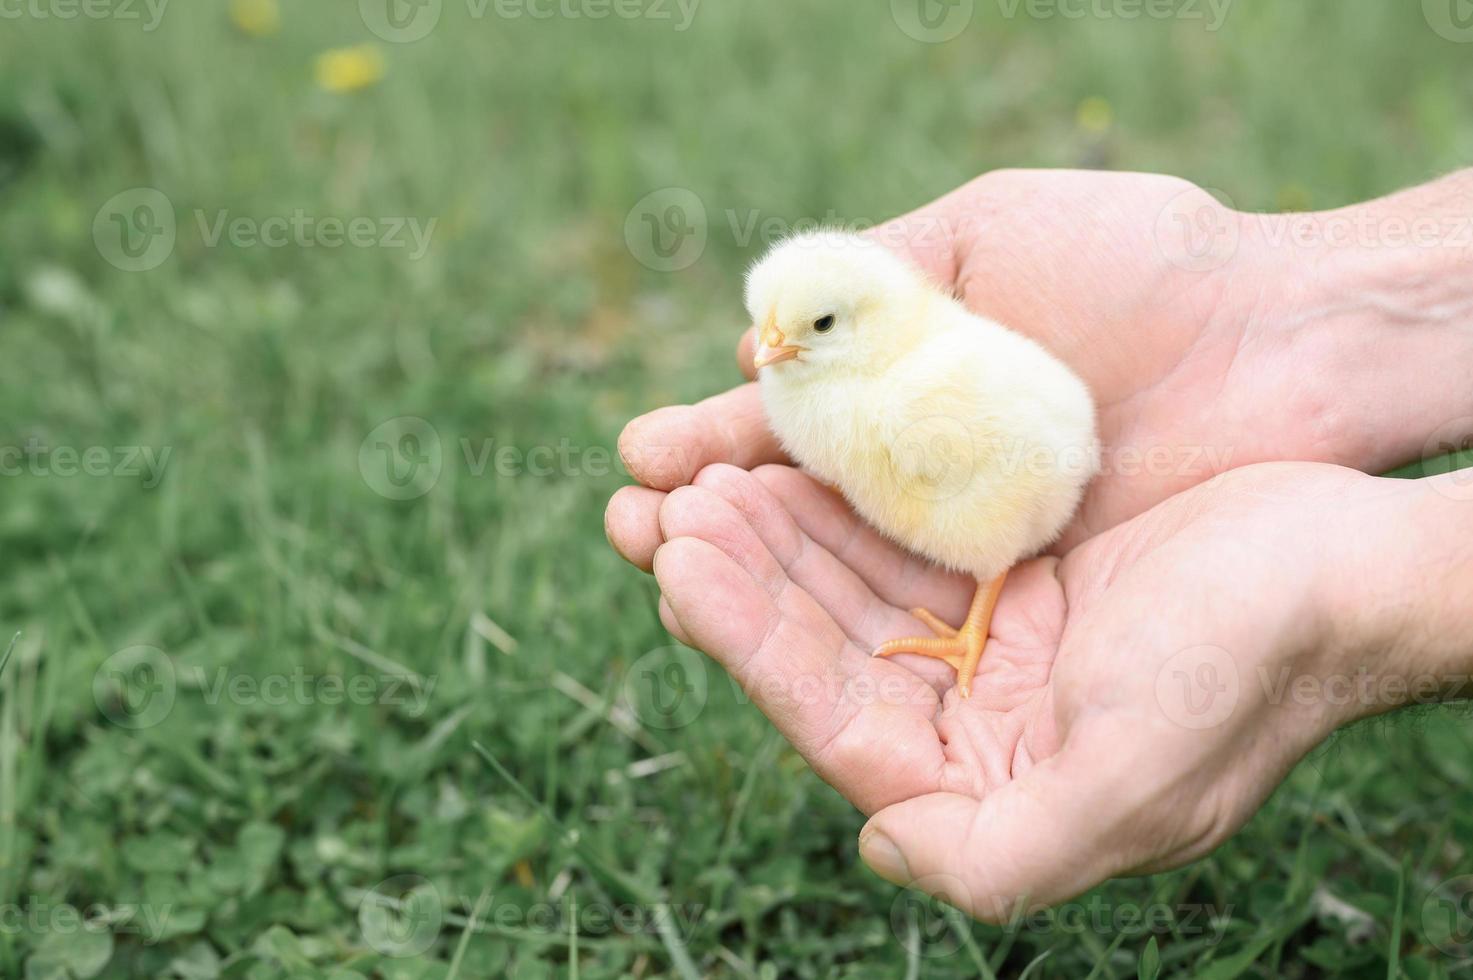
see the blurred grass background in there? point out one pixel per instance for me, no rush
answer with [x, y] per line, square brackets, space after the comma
[236, 834]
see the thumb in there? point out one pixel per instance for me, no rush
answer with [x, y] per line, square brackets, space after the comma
[746, 347]
[1039, 839]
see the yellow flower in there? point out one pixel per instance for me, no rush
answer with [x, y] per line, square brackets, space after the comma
[1094, 115]
[349, 69]
[258, 18]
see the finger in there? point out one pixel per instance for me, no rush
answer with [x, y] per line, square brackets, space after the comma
[863, 616]
[668, 447]
[632, 525]
[862, 724]
[1040, 840]
[895, 575]
[672, 625]
[746, 351]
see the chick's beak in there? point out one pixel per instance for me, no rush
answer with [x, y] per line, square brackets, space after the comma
[771, 346]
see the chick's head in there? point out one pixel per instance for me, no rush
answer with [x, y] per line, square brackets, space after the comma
[829, 301]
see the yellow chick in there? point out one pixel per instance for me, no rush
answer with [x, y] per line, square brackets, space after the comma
[955, 437]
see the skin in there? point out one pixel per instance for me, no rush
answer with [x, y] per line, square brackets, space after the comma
[1100, 740]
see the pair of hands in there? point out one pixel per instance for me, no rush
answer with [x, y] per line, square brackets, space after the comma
[1130, 711]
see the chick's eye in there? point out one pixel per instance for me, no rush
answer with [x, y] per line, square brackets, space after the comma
[824, 323]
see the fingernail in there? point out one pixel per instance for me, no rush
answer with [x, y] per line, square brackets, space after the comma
[884, 858]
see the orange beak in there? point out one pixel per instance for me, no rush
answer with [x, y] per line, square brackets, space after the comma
[771, 346]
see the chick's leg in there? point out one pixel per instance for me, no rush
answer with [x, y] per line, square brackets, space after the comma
[934, 622]
[961, 648]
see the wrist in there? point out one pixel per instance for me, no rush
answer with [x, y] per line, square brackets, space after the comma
[1372, 309]
[1399, 615]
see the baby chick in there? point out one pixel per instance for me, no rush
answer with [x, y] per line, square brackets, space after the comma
[955, 437]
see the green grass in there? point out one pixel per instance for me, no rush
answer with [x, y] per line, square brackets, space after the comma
[257, 831]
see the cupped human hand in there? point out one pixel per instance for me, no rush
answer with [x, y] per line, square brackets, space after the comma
[1192, 328]
[1129, 713]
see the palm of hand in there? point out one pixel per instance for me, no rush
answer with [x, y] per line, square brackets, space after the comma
[1066, 766]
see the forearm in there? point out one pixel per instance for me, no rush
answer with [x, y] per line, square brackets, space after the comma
[1375, 306]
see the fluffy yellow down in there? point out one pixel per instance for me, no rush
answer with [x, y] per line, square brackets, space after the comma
[961, 440]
